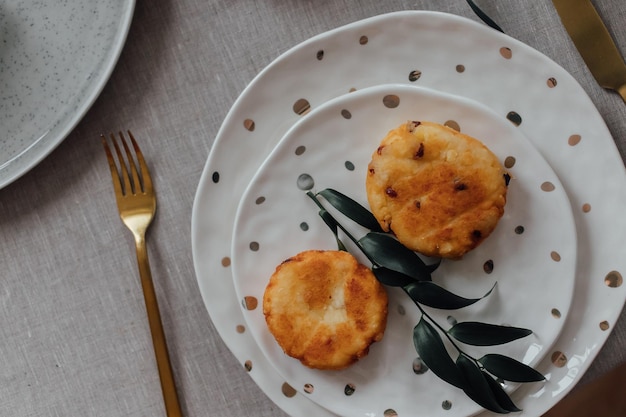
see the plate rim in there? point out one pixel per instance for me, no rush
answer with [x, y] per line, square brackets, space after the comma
[205, 177]
[28, 158]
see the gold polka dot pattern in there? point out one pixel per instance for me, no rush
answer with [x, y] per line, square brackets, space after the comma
[301, 106]
[250, 303]
[613, 279]
[288, 391]
[249, 124]
[506, 52]
[391, 101]
[452, 125]
[574, 140]
[558, 359]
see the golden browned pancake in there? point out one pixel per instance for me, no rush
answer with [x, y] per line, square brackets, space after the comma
[441, 192]
[325, 309]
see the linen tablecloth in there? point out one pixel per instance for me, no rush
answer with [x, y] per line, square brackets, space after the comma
[74, 339]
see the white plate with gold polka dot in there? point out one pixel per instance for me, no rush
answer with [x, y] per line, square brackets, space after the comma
[531, 255]
[450, 54]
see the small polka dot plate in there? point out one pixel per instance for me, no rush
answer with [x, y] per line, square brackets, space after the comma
[452, 55]
[531, 254]
[56, 58]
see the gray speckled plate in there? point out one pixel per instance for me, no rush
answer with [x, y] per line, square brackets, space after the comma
[55, 58]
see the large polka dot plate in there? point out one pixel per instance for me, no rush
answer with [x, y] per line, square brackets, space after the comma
[449, 54]
[531, 254]
[55, 59]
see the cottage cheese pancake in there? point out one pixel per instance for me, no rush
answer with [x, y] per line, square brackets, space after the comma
[325, 309]
[439, 191]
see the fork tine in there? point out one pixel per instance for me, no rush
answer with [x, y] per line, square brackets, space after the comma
[145, 174]
[117, 182]
[125, 179]
[133, 168]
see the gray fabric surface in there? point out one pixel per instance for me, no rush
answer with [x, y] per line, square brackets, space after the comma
[74, 339]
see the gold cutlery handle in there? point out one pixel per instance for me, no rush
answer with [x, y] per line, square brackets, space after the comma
[170, 397]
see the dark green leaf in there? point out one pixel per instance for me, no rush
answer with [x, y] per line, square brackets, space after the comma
[430, 294]
[501, 396]
[315, 200]
[351, 209]
[329, 220]
[478, 389]
[391, 278]
[432, 351]
[483, 334]
[510, 369]
[384, 250]
[332, 224]
[433, 267]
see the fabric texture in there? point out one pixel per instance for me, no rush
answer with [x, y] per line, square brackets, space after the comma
[74, 339]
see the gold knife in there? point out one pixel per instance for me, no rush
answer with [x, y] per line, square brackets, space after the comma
[582, 22]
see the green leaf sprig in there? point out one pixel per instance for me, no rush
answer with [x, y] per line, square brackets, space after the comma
[395, 265]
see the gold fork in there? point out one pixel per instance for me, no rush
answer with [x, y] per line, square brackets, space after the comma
[136, 202]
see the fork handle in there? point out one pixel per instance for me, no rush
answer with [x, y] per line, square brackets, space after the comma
[170, 397]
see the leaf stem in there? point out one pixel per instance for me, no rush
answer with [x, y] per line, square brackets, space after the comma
[424, 313]
[313, 197]
[343, 229]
